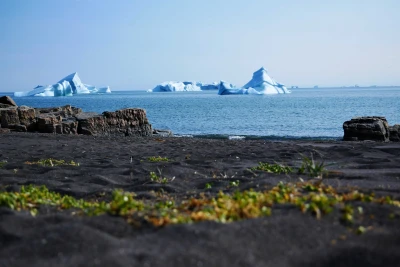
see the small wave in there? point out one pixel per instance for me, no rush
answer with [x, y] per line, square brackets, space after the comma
[236, 137]
[184, 135]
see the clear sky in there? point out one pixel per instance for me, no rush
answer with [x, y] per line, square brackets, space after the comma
[136, 44]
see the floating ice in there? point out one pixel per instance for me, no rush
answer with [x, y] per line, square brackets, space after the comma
[175, 87]
[210, 86]
[260, 84]
[70, 85]
[183, 87]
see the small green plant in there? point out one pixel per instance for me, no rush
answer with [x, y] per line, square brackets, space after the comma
[2, 164]
[50, 162]
[158, 178]
[312, 168]
[158, 159]
[208, 186]
[361, 230]
[272, 168]
[234, 183]
[348, 214]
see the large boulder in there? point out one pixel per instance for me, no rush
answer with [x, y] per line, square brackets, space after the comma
[127, 122]
[27, 118]
[9, 117]
[394, 133]
[124, 122]
[91, 123]
[6, 100]
[366, 128]
[47, 123]
[68, 126]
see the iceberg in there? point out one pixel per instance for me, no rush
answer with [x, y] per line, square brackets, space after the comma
[209, 86]
[185, 86]
[260, 84]
[176, 87]
[69, 86]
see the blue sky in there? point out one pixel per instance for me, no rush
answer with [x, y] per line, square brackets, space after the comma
[131, 44]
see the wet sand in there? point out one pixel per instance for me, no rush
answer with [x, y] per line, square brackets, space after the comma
[286, 238]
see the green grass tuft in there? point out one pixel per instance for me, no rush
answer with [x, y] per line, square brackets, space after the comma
[50, 162]
[272, 168]
[312, 168]
[158, 159]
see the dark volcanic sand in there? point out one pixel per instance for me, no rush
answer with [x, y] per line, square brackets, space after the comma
[286, 238]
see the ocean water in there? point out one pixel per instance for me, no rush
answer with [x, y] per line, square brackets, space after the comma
[306, 113]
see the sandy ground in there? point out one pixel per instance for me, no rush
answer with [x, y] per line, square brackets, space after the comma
[286, 238]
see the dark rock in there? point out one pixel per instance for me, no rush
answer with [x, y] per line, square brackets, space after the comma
[64, 111]
[20, 128]
[124, 122]
[71, 120]
[9, 118]
[91, 123]
[6, 106]
[8, 101]
[47, 123]
[366, 128]
[394, 133]
[4, 130]
[127, 122]
[27, 117]
[69, 126]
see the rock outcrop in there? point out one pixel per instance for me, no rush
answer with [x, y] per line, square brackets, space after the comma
[394, 133]
[71, 120]
[366, 128]
[9, 117]
[6, 101]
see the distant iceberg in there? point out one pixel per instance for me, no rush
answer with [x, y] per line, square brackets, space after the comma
[260, 84]
[184, 87]
[176, 87]
[70, 85]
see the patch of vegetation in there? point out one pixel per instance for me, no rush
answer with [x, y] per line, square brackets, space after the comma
[50, 162]
[234, 183]
[208, 186]
[309, 167]
[158, 159]
[272, 168]
[159, 178]
[312, 168]
[2, 164]
[315, 199]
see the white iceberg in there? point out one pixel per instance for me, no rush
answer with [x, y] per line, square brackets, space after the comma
[260, 84]
[176, 87]
[185, 86]
[70, 85]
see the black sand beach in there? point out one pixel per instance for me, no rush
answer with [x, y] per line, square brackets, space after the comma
[195, 168]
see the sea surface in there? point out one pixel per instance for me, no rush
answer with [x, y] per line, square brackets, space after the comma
[306, 113]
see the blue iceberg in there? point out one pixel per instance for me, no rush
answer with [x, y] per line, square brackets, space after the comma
[69, 86]
[260, 84]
